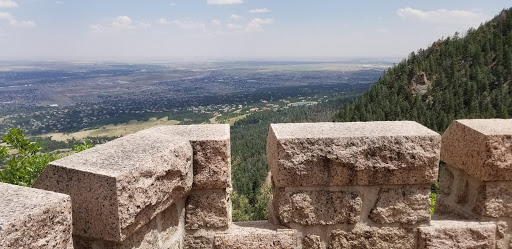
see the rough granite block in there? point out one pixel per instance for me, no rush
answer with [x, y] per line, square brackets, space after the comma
[358, 153]
[480, 147]
[199, 241]
[33, 218]
[445, 180]
[374, 238]
[208, 210]
[119, 186]
[212, 152]
[494, 199]
[256, 235]
[457, 234]
[312, 241]
[162, 232]
[407, 205]
[318, 207]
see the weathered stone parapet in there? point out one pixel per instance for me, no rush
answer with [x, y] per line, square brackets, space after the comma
[34, 219]
[165, 231]
[480, 147]
[212, 152]
[403, 205]
[208, 210]
[256, 235]
[373, 237]
[246, 235]
[320, 207]
[335, 185]
[208, 206]
[353, 185]
[360, 153]
[457, 234]
[120, 186]
[476, 180]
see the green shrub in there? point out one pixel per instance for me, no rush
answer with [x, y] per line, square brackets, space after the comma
[21, 160]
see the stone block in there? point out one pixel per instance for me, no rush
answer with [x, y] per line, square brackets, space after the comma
[146, 237]
[457, 234]
[374, 238]
[33, 218]
[208, 210]
[256, 235]
[445, 180]
[320, 207]
[162, 232]
[199, 241]
[312, 241]
[212, 152]
[480, 147]
[170, 224]
[406, 204]
[120, 186]
[494, 199]
[461, 190]
[447, 208]
[358, 153]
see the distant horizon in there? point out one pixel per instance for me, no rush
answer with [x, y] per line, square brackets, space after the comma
[315, 59]
[232, 28]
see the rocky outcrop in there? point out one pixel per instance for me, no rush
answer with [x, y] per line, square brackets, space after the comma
[419, 84]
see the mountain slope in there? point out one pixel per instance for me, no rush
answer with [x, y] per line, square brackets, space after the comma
[454, 78]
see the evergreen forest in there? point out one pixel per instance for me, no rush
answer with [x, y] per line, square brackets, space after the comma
[462, 76]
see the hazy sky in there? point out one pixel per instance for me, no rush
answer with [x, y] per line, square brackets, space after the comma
[232, 28]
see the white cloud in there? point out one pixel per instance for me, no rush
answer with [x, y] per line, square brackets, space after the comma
[8, 4]
[120, 23]
[59, 2]
[216, 22]
[264, 10]
[255, 25]
[14, 22]
[6, 16]
[162, 21]
[443, 16]
[383, 30]
[184, 24]
[224, 1]
[235, 27]
[234, 16]
[172, 4]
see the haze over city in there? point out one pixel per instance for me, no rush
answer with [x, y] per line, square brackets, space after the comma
[232, 28]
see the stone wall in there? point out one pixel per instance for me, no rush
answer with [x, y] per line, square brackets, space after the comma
[335, 185]
[353, 185]
[476, 179]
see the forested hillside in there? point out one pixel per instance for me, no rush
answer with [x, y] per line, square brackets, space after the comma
[457, 77]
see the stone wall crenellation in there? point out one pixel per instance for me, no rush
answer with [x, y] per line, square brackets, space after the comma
[335, 185]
